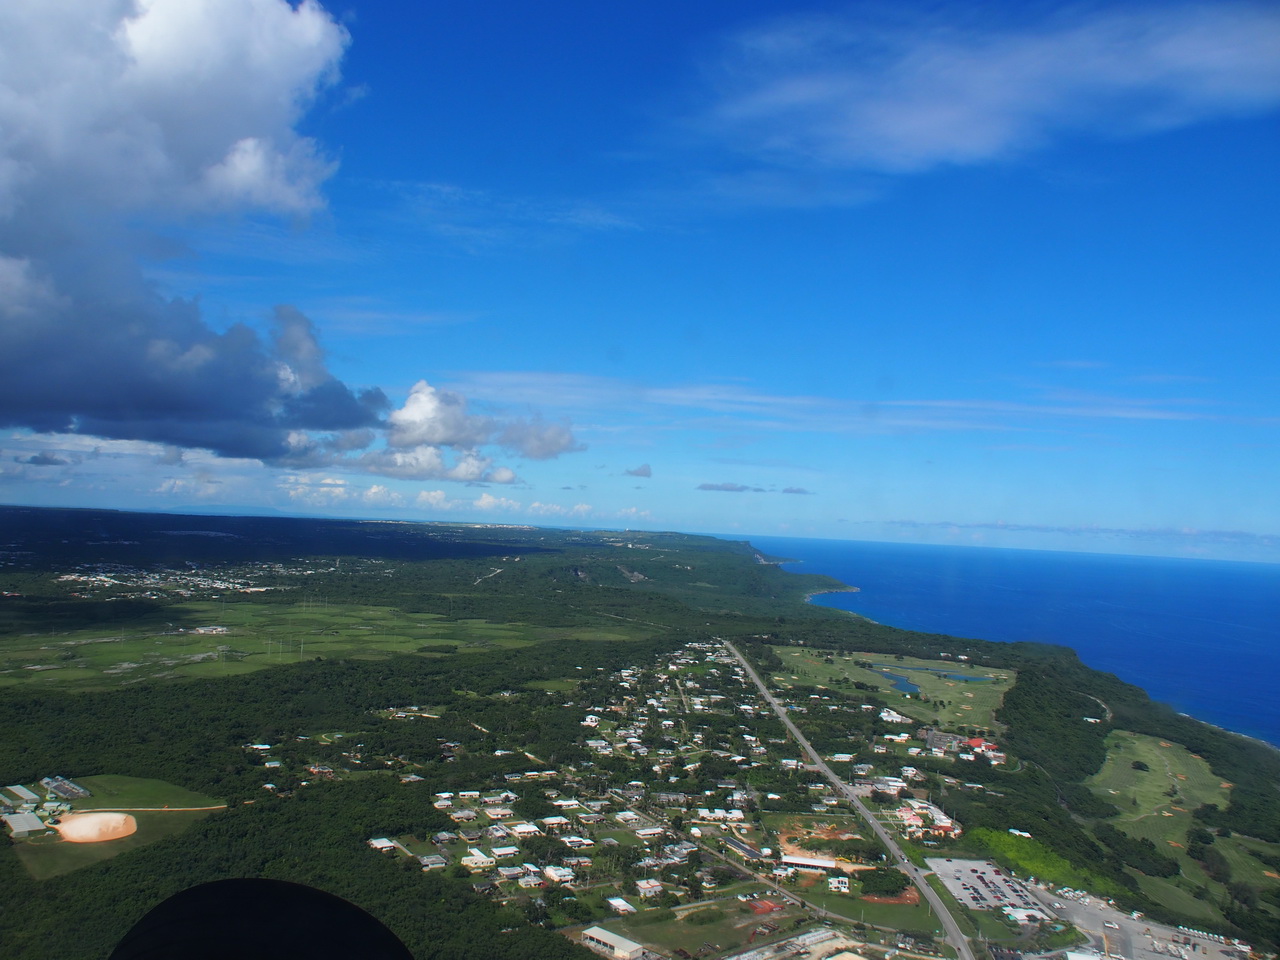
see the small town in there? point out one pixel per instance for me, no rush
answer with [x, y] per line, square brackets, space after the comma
[699, 827]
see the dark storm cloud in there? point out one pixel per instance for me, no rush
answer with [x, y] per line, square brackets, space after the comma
[145, 369]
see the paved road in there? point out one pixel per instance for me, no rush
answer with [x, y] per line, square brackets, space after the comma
[954, 935]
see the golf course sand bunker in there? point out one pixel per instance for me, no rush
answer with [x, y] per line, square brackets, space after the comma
[95, 827]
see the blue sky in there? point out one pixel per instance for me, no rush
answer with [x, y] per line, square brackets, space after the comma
[865, 271]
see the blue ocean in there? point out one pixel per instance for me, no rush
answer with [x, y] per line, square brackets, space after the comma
[1201, 635]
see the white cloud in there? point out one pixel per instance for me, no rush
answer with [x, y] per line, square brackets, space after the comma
[908, 94]
[164, 101]
[434, 500]
[328, 491]
[426, 462]
[380, 496]
[202, 487]
[556, 510]
[487, 501]
[433, 416]
[538, 440]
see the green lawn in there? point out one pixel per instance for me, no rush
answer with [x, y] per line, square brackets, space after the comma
[1146, 809]
[111, 791]
[967, 700]
[45, 857]
[1143, 794]
[912, 919]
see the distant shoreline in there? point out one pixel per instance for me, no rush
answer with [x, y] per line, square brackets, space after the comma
[808, 597]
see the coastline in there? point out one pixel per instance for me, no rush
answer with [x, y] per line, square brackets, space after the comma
[808, 598]
[1144, 621]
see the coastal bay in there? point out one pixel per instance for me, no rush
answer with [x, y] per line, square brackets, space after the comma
[1197, 634]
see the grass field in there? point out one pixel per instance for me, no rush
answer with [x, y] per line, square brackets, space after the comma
[912, 919]
[728, 934]
[253, 636]
[114, 792]
[50, 856]
[1143, 796]
[958, 694]
[1147, 810]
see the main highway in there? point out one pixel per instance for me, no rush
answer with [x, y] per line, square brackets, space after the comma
[954, 935]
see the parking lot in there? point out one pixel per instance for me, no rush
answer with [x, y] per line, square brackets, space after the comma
[981, 885]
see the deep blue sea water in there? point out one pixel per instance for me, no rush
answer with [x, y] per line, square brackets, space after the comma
[1201, 635]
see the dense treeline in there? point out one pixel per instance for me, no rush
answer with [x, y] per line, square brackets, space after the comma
[1141, 854]
[192, 733]
[1046, 724]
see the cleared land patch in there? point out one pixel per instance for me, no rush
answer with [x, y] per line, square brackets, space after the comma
[1143, 794]
[96, 827]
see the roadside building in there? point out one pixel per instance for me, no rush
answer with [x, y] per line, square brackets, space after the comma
[611, 944]
[809, 863]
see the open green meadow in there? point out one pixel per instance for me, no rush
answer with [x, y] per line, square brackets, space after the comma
[957, 694]
[243, 637]
[1147, 810]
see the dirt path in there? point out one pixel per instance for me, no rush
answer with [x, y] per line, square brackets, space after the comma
[220, 806]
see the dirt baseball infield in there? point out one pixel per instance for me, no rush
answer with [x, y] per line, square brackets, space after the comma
[95, 827]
